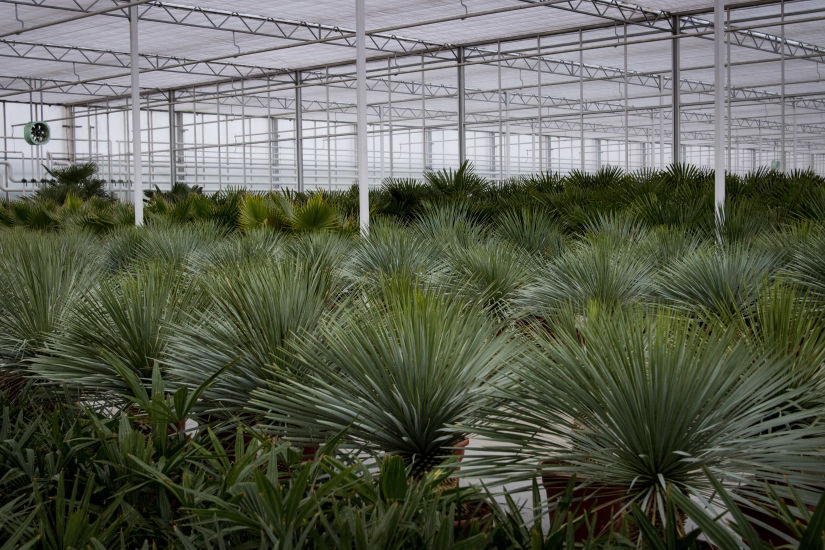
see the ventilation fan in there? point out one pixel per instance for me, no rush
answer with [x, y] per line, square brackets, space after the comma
[36, 133]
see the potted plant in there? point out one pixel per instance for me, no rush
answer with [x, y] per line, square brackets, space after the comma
[394, 374]
[644, 401]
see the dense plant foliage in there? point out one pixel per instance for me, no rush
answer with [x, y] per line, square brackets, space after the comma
[248, 372]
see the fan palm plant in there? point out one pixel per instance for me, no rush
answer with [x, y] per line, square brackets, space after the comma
[459, 184]
[530, 229]
[256, 311]
[640, 401]
[806, 266]
[490, 274]
[391, 250]
[41, 277]
[124, 322]
[449, 225]
[716, 282]
[789, 323]
[395, 377]
[589, 275]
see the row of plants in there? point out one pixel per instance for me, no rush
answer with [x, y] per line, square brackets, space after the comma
[195, 385]
[679, 197]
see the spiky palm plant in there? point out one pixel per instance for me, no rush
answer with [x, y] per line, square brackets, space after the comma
[531, 229]
[449, 225]
[662, 245]
[316, 214]
[254, 247]
[395, 377]
[790, 324]
[616, 228]
[640, 401]
[125, 322]
[173, 244]
[806, 265]
[490, 274]
[41, 277]
[255, 312]
[589, 275]
[460, 184]
[391, 250]
[401, 197]
[717, 282]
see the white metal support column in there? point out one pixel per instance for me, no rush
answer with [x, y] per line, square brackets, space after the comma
[783, 159]
[675, 80]
[462, 138]
[361, 93]
[137, 182]
[71, 146]
[173, 140]
[719, 109]
[581, 102]
[299, 134]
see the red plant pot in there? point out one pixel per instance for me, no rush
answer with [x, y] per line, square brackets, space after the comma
[602, 503]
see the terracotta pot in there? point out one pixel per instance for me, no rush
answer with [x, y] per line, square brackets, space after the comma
[460, 447]
[601, 502]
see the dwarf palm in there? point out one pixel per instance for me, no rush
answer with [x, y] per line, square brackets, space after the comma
[255, 311]
[640, 401]
[391, 250]
[590, 274]
[806, 265]
[717, 282]
[395, 376]
[41, 276]
[490, 274]
[530, 229]
[126, 321]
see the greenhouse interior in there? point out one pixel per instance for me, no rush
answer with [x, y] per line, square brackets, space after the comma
[434, 274]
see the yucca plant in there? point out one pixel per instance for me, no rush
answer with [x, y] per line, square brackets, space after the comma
[806, 265]
[394, 376]
[589, 275]
[460, 184]
[490, 274]
[449, 225]
[392, 250]
[716, 282]
[126, 323]
[252, 248]
[640, 401]
[531, 229]
[256, 311]
[41, 277]
[787, 322]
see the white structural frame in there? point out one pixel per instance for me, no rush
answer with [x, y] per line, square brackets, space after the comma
[508, 99]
